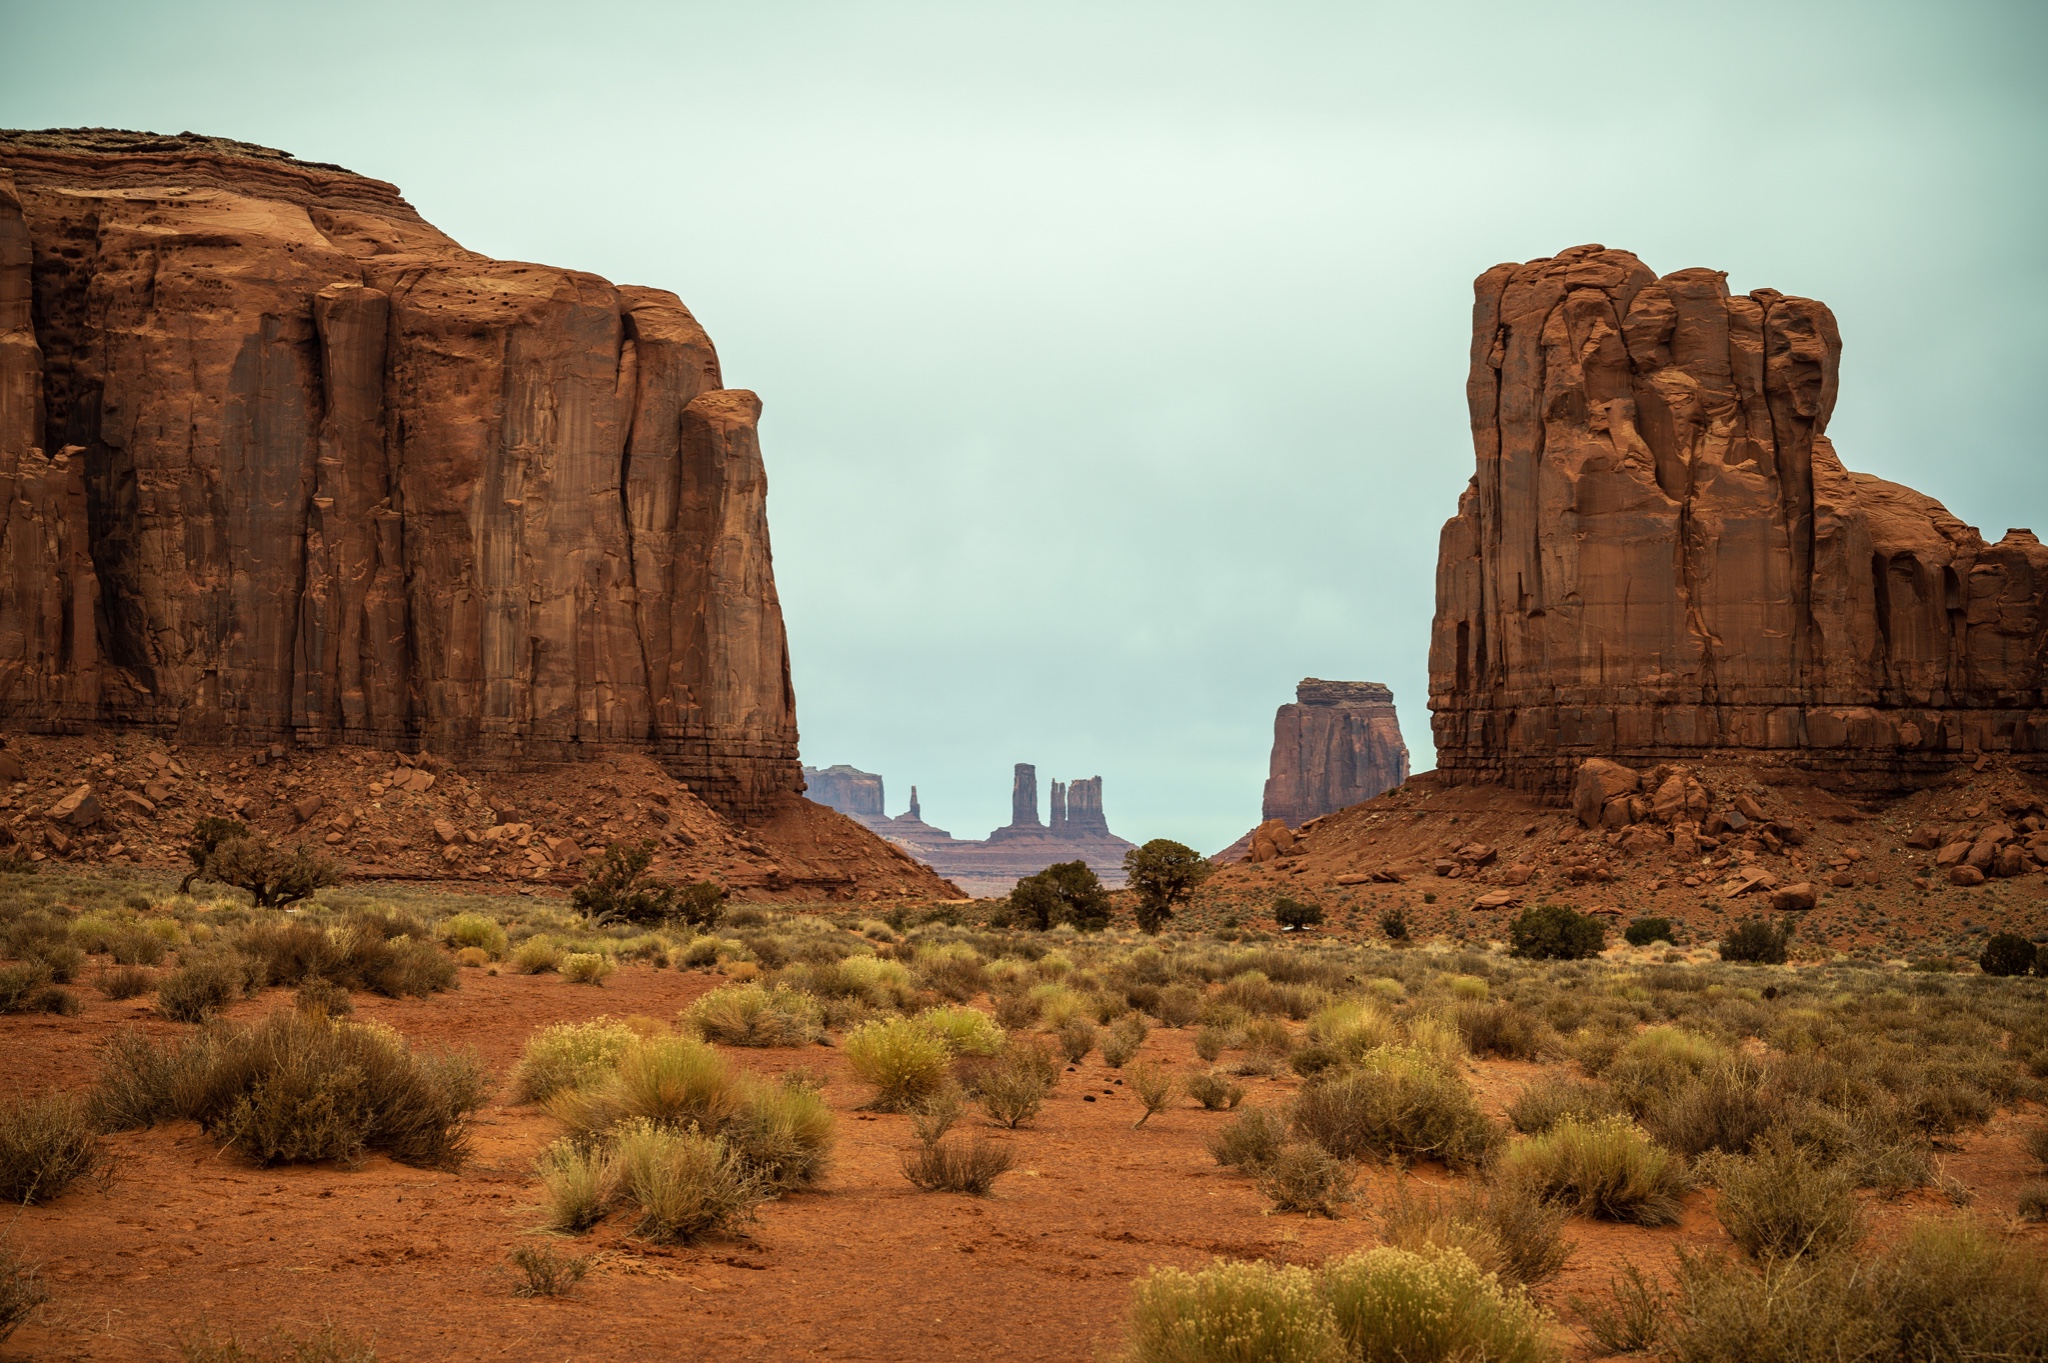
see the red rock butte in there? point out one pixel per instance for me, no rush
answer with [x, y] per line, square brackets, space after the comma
[1661, 555]
[283, 461]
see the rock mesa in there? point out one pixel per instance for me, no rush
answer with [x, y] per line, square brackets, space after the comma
[1661, 555]
[281, 460]
[1337, 744]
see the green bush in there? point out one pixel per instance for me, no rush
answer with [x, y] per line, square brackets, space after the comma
[536, 956]
[1644, 931]
[1164, 874]
[46, 1145]
[964, 1031]
[2006, 954]
[475, 930]
[1397, 1103]
[900, 1059]
[619, 887]
[1064, 892]
[569, 1055]
[1395, 1306]
[586, 967]
[1757, 942]
[1549, 1099]
[1293, 916]
[749, 1015]
[1555, 932]
[1077, 1038]
[1232, 1313]
[1606, 1169]
[271, 875]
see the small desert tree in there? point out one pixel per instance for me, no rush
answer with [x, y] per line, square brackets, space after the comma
[1064, 892]
[1165, 874]
[2006, 953]
[1757, 941]
[207, 835]
[621, 889]
[1555, 932]
[1293, 915]
[272, 875]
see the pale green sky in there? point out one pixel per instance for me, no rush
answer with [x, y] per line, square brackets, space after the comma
[1113, 353]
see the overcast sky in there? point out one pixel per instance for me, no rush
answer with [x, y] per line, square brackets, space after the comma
[1113, 354]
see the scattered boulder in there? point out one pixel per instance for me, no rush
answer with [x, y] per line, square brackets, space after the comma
[1793, 897]
[80, 809]
[1598, 783]
[1965, 874]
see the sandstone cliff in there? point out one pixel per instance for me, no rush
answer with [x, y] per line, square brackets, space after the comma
[281, 460]
[1661, 555]
[1337, 744]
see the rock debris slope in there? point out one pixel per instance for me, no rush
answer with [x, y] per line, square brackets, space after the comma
[281, 460]
[1661, 555]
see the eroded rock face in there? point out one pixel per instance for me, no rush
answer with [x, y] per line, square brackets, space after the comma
[1661, 554]
[281, 459]
[1337, 744]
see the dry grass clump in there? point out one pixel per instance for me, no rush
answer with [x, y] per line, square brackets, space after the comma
[1011, 1090]
[685, 1184]
[964, 1031]
[749, 1015]
[1502, 1028]
[1548, 1100]
[1304, 1177]
[1504, 1228]
[674, 1080]
[201, 986]
[1946, 1290]
[545, 1273]
[1606, 1169]
[958, 1166]
[1396, 1103]
[568, 1055]
[21, 1290]
[297, 1086]
[1379, 1306]
[329, 1344]
[475, 932]
[126, 982]
[1121, 1042]
[46, 1145]
[1780, 1203]
[536, 956]
[375, 952]
[1352, 1027]
[1076, 1038]
[902, 1060]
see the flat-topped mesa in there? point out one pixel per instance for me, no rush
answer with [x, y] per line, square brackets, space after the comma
[851, 791]
[281, 460]
[1661, 555]
[1337, 744]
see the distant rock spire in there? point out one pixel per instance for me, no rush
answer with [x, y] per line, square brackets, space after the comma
[1024, 797]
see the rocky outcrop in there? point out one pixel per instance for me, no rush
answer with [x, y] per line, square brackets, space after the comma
[282, 461]
[855, 793]
[1077, 831]
[1661, 555]
[1337, 744]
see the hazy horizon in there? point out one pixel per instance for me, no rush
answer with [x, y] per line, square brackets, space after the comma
[1113, 360]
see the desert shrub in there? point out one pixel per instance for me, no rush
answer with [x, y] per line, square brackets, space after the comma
[1756, 942]
[958, 1166]
[361, 954]
[1505, 1029]
[1155, 1088]
[1231, 1312]
[536, 956]
[1394, 923]
[472, 958]
[328, 1344]
[1644, 931]
[271, 875]
[1303, 1177]
[619, 887]
[323, 996]
[1055, 1005]
[1077, 1038]
[1351, 1028]
[1396, 1103]
[1606, 1169]
[126, 982]
[1728, 1107]
[1505, 1228]
[1011, 1094]
[672, 1080]
[1211, 1041]
[1548, 1100]
[543, 1272]
[687, 1184]
[1658, 1061]
[299, 1086]
[963, 1031]
[1635, 1321]
[1121, 1042]
[697, 954]
[477, 931]
[953, 969]
[127, 941]
[782, 1132]
[1250, 1140]
[2006, 954]
[1779, 1203]
[46, 1145]
[55, 999]
[2033, 1203]
[1555, 932]
[1469, 987]
[1065, 892]
[586, 967]
[749, 1015]
[21, 1290]
[20, 983]
[200, 987]
[569, 1055]
[900, 1059]
[1164, 874]
[1177, 1005]
[1396, 1306]
[2035, 1142]
[1214, 1091]
[1437, 1038]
